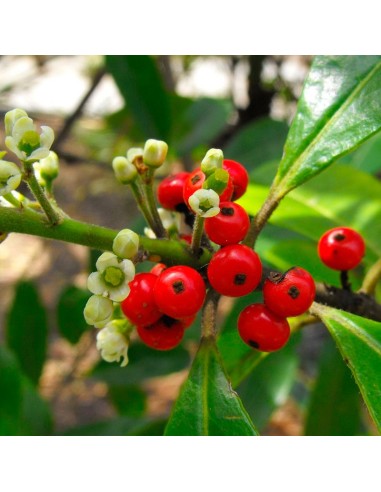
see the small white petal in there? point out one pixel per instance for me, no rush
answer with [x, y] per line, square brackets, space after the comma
[95, 284]
[12, 146]
[11, 117]
[38, 154]
[149, 233]
[118, 294]
[46, 137]
[128, 269]
[211, 212]
[105, 260]
[167, 218]
[22, 125]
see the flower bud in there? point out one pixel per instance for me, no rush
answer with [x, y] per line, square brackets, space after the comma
[126, 244]
[48, 167]
[135, 155]
[168, 218]
[10, 119]
[98, 311]
[217, 181]
[125, 171]
[213, 160]
[113, 344]
[155, 152]
[205, 203]
[10, 177]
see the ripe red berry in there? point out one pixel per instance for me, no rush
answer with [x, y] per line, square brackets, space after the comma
[235, 270]
[186, 237]
[262, 329]
[170, 190]
[290, 294]
[139, 306]
[165, 334]
[158, 269]
[179, 292]
[229, 226]
[341, 248]
[239, 176]
[195, 181]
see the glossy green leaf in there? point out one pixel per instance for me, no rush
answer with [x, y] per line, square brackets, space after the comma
[202, 121]
[257, 142]
[140, 83]
[207, 405]
[144, 363]
[10, 393]
[334, 408]
[27, 330]
[71, 304]
[359, 341]
[366, 157]
[339, 108]
[121, 426]
[269, 384]
[339, 196]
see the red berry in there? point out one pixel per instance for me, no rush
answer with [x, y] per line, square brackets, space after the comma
[195, 181]
[235, 270]
[179, 292]
[170, 190]
[239, 176]
[289, 294]
[165, 334]
[186, 237]
[341, 248]
[262, 329]
[158, 269]
[229, 226]
[140, 307]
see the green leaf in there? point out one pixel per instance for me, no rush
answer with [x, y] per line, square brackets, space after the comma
[71, 323]
[121, 426]
[256, 143]
[207, 405]
[27, 330]
[128, 399]
[144, 363]
[366, 157]
[11, 393]
[359, 341]
[36, 416]
[340, 196]
[202, 121]
[268, 386]
[334, 408]
[140, 83]
[339, 108]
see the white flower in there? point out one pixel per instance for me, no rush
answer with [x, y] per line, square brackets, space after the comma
[135, 154]
[213, 160]
[205, 203]
[23, 139]
[48, 168]
[10, 177]
[113, 344]
[168, 218]
[126, 244]
[155, 152]
[112, 278]
[98, 311]
[124, 170]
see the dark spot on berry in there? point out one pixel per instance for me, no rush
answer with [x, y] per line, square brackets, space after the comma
[240, 279]
[228, 211]
[293, 292]
[178, 286]
[276, 277]
[339, 237]
[168, 321]
[195, 179]
[253, 344]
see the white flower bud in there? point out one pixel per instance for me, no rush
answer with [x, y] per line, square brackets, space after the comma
[125, 171]
[48, 167]
[155, 152]
[135, 154]
[113, 344]
[98, 311]
[168, 218]
[205, 203]
[23, 139]
[213, 160]
[10, 177]
[126, 244]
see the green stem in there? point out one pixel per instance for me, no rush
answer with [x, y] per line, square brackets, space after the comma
[12, 200]
[209, 312]
[372, 278]
[141, 202]
[147, 183]
[72, 231]
[198, 229]
[38, 192]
